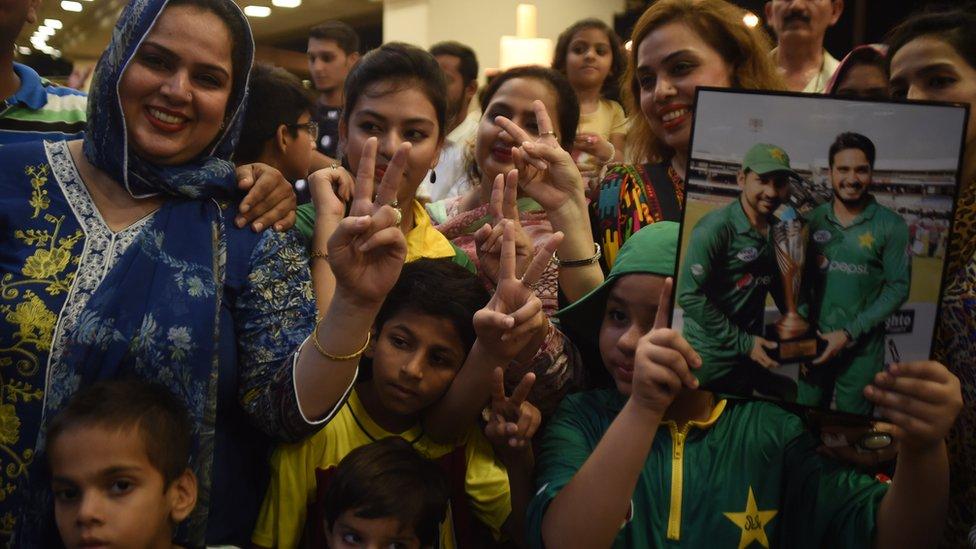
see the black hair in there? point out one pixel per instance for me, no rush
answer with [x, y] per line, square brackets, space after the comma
[952, 26]
[851, 140]
[277, 97]
[611, 85]
[567, 105]
[467, 60]
[864, 56]
[342, 34]
[439, 288]
[388, 478]
[159, 416]
[401, 65]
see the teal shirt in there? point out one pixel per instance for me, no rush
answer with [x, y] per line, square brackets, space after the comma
[728, 270]
[749, 477]
[861, 273]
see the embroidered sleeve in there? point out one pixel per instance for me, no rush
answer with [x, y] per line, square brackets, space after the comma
[557, 366]
[274, 314]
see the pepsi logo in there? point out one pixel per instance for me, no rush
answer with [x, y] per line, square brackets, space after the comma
[748, 254]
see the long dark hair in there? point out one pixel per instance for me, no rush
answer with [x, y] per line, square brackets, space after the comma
[611, 85]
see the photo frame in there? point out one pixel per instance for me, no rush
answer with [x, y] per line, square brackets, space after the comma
[813, 241]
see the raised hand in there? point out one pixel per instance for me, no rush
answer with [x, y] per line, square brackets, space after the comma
[920, 399]
[331, 188]
[270, 198]
[663, 361]
[513, 420]
[547, 173]
[514, 313]
[367, 250]
[488, 239]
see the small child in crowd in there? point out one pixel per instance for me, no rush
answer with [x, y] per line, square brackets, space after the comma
[656, 462]
[589, 53]
[385, 494]
[119, 456]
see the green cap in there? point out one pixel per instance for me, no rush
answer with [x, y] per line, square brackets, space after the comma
[764, 158]
[651, 250]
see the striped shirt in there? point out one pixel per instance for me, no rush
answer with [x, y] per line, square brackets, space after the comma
[41, 110]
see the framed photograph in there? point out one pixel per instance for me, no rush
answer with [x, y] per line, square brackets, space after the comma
[813, 241]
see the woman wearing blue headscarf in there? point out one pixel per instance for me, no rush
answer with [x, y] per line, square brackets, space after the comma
[119, 258]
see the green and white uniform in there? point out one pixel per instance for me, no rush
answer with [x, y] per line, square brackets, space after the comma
[748, 477]
[860, 275]
[728, 269]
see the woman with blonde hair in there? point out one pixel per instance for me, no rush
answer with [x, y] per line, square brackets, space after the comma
[677, 46]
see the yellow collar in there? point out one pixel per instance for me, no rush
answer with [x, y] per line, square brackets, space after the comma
[712, 418]
[423, 240]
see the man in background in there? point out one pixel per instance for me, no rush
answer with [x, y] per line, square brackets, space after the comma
[460, 66]
[333, 49]
[800, 27]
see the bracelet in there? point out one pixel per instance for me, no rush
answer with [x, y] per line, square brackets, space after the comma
[337, 358]
[613, 154]
[319, 255]
[579, 262]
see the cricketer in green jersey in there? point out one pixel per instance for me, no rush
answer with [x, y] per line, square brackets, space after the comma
[656, 463]
[728, 270]
[859, 273]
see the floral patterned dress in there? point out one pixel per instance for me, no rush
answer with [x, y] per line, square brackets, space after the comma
[55, 250]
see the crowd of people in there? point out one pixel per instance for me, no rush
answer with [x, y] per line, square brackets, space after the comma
[456, 332]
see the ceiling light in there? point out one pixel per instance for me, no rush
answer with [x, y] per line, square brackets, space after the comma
[286, 3]
[24, 50]
[70, 5]
[257, 11]
[45, 31]
[53, 23]
[38, 41]
[750, 19]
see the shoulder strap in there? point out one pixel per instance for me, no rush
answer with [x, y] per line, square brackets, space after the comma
[665, 191]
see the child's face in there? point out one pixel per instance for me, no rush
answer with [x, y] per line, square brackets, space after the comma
[108, 494]
[415, 359]
[394, 112]
[631, 307]
[378, 533]
[588, 59]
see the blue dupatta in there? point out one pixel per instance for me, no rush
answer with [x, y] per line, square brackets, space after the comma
[155, 314]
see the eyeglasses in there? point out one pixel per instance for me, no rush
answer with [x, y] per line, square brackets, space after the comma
[311, 127]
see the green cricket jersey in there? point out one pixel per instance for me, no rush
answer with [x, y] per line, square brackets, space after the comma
[857, 277]
[748, 477]
[728, 270]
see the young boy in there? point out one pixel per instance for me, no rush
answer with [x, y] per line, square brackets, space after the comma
[421, 337]
[119, 456]
[655, 462]
[385, 494]
[278, 128]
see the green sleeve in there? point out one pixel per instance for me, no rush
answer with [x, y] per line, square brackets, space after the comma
[826, 503]
[305, 222]
[897, 280]
[568, 441]
[707, 242]
[462, 259]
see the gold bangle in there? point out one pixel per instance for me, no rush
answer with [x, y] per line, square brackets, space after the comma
[337, 358]
[319, 255]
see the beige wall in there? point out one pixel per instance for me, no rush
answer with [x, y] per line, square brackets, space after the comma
[480, 23]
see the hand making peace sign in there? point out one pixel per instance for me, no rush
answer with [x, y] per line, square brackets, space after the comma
[368, 249]
[488, 239]
[513, 420]
[547, 173]
[507, 323]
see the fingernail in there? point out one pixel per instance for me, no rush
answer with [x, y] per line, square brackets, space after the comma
[257, 226]
[364, 247]
[695, 383]
[245, 208]
[279, 228]
[240, 222]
